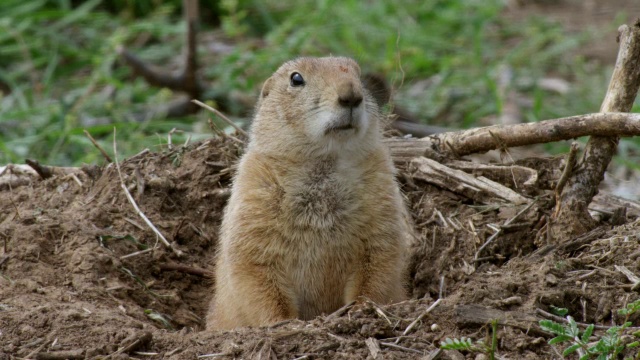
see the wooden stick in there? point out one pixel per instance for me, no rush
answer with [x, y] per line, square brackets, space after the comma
[573, 218]
[61, 355]
[187, 270]
[419, 318]
[481, 140]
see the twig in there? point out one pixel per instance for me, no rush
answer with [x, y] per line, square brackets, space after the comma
[75, 178]
[630, 275]
[187, 269]
[136, 253]
[479, 140]
[95, 143]
[187, 80]
[394, 346]
[133, 342]
[434, 355]
[133, 202]
[583, 325]
[61, 355]
[172, 352]
[37, 350]
[212, 355]
[340, 311]
[419, 318]
[574, 218]
[221, 115]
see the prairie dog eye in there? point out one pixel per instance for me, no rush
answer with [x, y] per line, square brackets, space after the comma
[297, 79]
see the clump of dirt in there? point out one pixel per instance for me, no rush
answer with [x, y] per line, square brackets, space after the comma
[83, 276]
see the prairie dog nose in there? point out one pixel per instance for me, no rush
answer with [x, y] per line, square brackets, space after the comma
[348, 95]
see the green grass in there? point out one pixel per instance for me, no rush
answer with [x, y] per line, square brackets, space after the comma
[60, 63]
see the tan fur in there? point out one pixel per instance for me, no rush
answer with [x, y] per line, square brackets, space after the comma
[315, 219]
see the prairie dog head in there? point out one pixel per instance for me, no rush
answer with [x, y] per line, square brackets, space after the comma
[317, 106]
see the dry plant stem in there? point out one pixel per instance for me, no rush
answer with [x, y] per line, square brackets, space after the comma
[221, 116]
[340, 311]
[434, 355]
[395, 346]
[133, 202]
[37, 350]
[61, 355]
[419, 318]
[481, 140]
[137, 253]
[132, 343]
[630, 275]
[212, 355]
[95, 143]
[573, 218]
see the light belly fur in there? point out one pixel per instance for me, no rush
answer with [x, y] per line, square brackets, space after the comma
[321, 277]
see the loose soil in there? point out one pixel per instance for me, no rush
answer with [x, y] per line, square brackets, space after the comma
[71, 279]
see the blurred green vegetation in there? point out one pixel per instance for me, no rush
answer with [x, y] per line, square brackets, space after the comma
[61, 74]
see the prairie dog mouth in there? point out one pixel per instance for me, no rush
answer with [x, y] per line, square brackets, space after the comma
[337, 128]
[342, 123]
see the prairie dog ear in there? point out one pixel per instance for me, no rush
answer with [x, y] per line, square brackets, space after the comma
[266, 88]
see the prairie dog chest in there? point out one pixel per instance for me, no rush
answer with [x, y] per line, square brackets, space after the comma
[324, 195]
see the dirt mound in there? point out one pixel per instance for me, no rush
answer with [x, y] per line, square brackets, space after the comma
[83, 276]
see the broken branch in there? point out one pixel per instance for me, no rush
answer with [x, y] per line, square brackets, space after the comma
[573, 217]
[481, 140]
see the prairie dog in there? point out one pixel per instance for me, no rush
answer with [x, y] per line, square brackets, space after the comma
[315, 219]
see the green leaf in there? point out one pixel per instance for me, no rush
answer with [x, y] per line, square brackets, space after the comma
[587, 333]
[552, 327]
[463, 343]
[559, 311]
[571, 349]
[559, 339]
[613, 330]
[573, 327]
